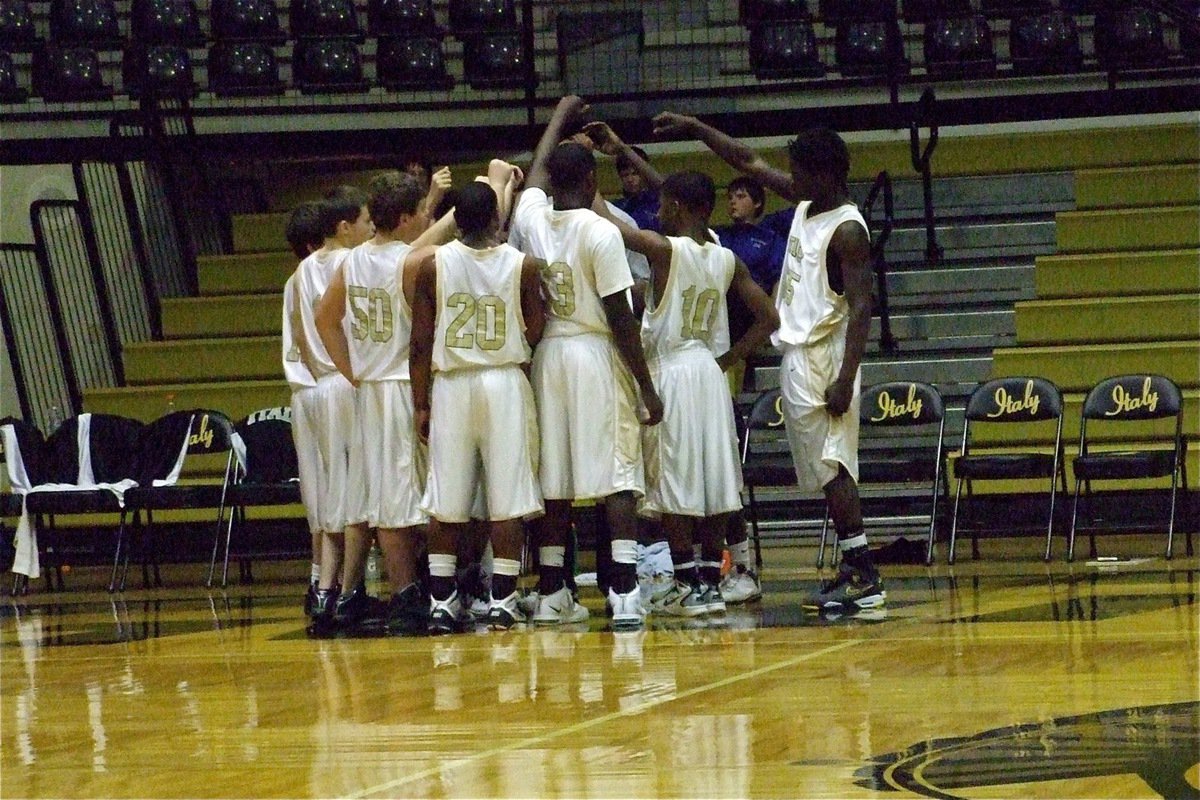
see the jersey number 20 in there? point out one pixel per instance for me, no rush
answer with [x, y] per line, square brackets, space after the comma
[490, 327]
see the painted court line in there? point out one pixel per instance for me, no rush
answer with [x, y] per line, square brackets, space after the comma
[591, 723]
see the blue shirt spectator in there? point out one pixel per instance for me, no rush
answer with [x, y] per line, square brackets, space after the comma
[639, 200]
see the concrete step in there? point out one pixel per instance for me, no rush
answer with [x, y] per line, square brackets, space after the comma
[245, 273]
[221, 315]
[1078, 367]
[1117, 274]
[1162, 228]
[1025, 239]
[259, 233]
[1109, 319]
[1133, 187]
[236, 398]
[203, 360]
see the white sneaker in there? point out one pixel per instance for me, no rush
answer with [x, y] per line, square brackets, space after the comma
[476, 607]
[504, 614]
[627, 609]
[528, 603]
[740, 586]
[445, 616]
[714, 603]
[655, 587]
[559, 608]
[681, 600]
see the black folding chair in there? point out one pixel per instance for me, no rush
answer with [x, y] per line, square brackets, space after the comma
[1130, 403]
[911, 420]
[265, 472]
[764, 463]
[1005, 401]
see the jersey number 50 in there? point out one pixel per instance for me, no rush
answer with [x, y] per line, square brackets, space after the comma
[372, 309]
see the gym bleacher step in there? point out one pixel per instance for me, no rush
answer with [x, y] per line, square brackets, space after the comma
[245, 273]
[1078, 367]
[259, 233]
[975, 240]
[1133, 187]
[1117, 274]
[1109, 319]
[1161, 228]
[203, 360]
[235, 398]
[221, 315]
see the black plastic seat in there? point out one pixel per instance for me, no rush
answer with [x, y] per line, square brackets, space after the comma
[412, 62]
[69, 74]
[161, 70]
[243, 69]
[11, 90]
[401, 18]
[324, 19]
[494, 61]
[838, 11]
[1131, 403]
[1130, 36]
[246, 21]
[785, 50]
[870, 48]
[959, 47]
[328, 65]
[85, 23]
[166, 22]
[1045, 44]
[1005, 401]
[17, 30]
[1008, 9]
[469, 18]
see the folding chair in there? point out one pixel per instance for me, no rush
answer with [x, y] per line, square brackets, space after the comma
[90, 462]
[763, 463]
[265, 472]
[907, 414]
[1130, 402]
[1006, 401]
[167, 445]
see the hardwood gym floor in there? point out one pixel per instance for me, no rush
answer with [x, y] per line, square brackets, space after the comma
[1005, 677]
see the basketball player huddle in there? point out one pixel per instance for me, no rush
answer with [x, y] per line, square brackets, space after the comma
[446, 383]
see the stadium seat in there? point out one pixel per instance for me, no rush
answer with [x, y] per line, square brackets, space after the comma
[785, 50]
[836, 11]
[413, 63]
[907, 420]
[166, 22]
[1008, 9]
[1130, 36]
[241, 69]
[870, 48]
[328, 65]
[265, 472]
[1130, 402]
[1045, 43]
[752, 12]
[246, 21]
[324, 19]
[157, 71]
[69, 74]
[85, 23]
[469, 18]
[11, 90]
[17, 31]
[401, 18]
[959, 47]
[494, 61]
[1005, 401]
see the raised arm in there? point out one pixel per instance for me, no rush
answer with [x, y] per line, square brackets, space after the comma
[330, 311]
[533, 308]
[611, 144]
[439, 183]
[627, 339]
[568, 108]
[737, 155]
[420, 353]
[852, 247]
[766, 318]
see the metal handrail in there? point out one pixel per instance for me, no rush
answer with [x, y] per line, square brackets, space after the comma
[924, 114]
[883, 183]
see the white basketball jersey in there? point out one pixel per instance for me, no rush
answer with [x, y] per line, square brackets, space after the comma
[808, 309]
[585, 262]
[479, 319]
[294, 369]
[379, 319]
[692, 314]
[312, 278]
